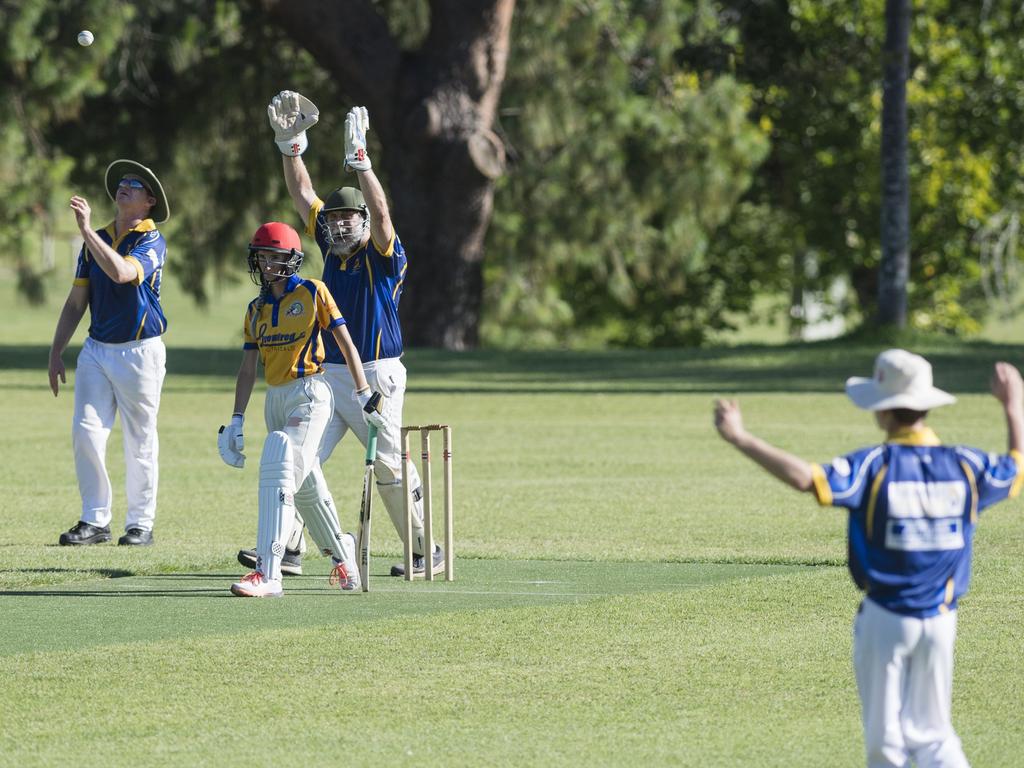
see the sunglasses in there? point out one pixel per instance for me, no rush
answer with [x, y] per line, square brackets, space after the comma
[133, 183]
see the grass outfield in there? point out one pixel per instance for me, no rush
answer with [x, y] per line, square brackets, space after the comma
[628, 587]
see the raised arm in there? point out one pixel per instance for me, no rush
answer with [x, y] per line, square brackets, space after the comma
[291, 114]
[300, 186]
[357, 123]
[381, 229]
[790, 469]
[116, 266]
[1009, 390]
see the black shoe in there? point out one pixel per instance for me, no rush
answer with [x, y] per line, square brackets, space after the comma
[84, 533]
[417, 564]
[136, 537]
[291, 563]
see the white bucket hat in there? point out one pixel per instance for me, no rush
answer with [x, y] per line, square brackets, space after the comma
[902, 380]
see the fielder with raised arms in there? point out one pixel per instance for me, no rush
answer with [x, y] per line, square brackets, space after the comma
[364, 269]
[913, 506]
[286, 326]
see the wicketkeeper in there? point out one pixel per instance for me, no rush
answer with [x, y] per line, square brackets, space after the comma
[913, 506]
[364, 269]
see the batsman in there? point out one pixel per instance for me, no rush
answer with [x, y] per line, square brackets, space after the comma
[364, 270]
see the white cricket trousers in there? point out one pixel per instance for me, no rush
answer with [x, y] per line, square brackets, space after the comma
[301, 409]
[110, 379]
[904, 670]
[387, 376]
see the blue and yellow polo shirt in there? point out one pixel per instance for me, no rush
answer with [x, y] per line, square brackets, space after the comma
[287, 331]
[129, 311]
[367, 288]
[914, 505]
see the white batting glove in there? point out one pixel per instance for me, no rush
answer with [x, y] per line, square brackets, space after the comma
[374, 406]
[231, 443]
[357, 123]
[290, 114]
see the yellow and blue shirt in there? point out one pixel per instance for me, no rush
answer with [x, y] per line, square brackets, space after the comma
[121, 312]
[914, 505]
[367, 287]
[287, 331]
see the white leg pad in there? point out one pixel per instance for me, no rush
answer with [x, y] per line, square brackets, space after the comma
[276, 503]
[315, 502]
[296, 541]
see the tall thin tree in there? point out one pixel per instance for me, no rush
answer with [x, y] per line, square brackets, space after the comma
[895, 266]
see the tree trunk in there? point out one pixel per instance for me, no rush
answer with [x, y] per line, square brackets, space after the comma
[895, 266]
[434, 110]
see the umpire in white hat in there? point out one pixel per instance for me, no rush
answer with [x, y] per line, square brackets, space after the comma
[121, 367]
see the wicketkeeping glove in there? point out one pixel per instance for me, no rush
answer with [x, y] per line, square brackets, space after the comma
[230, 442]
[357, 123]
[374, 405]
[290, 114]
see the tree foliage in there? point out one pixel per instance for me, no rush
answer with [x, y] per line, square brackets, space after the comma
[625, 163]
[668, 161]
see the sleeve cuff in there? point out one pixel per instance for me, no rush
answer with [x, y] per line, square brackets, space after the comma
[81, 281]
[1018, 481]
[335, 323]
[822, 490]
[250, 345]
[314, 211]
[389, 249]
[140, 273]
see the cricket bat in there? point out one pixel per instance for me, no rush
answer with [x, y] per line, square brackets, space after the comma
[363, 543]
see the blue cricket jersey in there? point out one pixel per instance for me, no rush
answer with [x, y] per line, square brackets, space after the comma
[914, 505]
[121, 312]
[367, 288]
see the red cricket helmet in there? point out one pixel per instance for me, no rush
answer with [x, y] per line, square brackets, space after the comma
[277, 238]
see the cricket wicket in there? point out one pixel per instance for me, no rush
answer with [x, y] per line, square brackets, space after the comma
[425, 479]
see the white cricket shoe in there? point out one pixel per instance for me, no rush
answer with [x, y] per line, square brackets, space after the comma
[256, 585]
[347, 582]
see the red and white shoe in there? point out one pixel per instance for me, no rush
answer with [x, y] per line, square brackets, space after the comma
[347, 582]
[255, 585]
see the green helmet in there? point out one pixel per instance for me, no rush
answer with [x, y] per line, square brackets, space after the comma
[345, 237]
[346, 199]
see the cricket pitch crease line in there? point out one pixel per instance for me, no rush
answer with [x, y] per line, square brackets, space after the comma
[454, 592]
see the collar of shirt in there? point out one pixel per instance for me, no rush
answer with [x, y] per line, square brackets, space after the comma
[146, 225]
[289, 286]
[909, 436]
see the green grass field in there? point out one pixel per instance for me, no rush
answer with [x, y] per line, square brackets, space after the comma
[627, 587]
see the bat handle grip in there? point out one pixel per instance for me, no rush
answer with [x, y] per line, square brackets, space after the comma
[371, 445]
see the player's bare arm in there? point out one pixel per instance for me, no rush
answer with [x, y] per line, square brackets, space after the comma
[300, 186]
[381, 229]
[116, 266]
[1008, 389]
[790, 469]
[70, 316]
[246, 380]
[351, 354]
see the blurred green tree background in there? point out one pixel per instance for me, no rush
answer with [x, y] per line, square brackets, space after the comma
[671, 169]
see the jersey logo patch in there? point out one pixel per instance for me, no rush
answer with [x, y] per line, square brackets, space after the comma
[925, 516]
[295, 309]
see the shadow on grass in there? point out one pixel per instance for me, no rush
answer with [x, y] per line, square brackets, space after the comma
[814, 367]
[105, 573]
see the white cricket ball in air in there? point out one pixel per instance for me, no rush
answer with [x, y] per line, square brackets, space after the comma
[85, 37]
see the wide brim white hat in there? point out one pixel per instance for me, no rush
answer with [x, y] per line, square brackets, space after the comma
[902, 380]
[116, 170]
